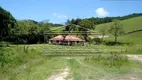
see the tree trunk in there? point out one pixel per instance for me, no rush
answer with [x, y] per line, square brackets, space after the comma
[115, 35]
[102, 37]
[115, 39]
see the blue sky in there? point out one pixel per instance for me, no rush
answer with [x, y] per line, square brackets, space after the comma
[58, 11]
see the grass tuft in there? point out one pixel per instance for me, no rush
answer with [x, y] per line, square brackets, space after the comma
[109, 60]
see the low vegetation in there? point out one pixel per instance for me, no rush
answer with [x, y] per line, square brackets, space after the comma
[109, 60]
[83, 69]
[26, 62]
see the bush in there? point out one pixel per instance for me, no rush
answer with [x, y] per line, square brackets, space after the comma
[111, 43]
[97, 40]
[4, 44]
[90, 41]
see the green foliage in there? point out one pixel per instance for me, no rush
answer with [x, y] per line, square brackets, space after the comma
[27, 31]
[72, 27]
[116, 29]
[4, 44]
[112, 43]
[74, 21]
[97, 40]
[23, 31]
[7, 21]
[85, 26]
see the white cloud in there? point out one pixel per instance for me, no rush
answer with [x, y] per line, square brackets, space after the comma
[60, 16]
[63, 16]
[101, 12]
[54, 14]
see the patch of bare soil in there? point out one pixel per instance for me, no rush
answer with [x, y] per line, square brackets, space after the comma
[135, 57]
[61, 76]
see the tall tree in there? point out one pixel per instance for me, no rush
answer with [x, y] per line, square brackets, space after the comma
[116, 29]
[85, 26]
[7, 21]
[70, 26]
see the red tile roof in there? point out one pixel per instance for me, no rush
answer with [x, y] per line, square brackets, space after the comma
[67, 38]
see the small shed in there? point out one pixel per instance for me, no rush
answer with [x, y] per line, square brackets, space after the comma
[66, 40]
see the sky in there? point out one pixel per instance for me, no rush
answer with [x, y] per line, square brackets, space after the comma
[58, 11]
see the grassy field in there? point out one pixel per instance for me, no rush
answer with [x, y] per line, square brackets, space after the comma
[32, 62]
[128, 25]
[89, 70]
[26, 63]
[57, 29]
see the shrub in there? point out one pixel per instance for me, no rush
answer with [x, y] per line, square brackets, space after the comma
[4, 44]
[90, 41]
[111, 43]
[97, 40]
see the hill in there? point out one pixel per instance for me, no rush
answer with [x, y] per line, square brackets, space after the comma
[129, 25]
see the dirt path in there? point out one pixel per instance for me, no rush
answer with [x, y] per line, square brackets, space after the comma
[61, 76]
[135, 57]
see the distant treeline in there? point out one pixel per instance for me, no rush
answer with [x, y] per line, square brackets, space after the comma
[46, 21]
[97, 20]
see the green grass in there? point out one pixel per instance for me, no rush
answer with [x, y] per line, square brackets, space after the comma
[133, 38]
[25, 62]
[28, 62]
[84, 70]
[128, 25]
[108, 60]
[96, 49]
[57, 29]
